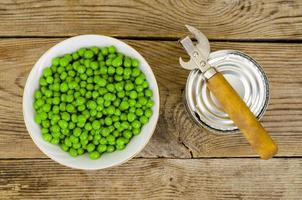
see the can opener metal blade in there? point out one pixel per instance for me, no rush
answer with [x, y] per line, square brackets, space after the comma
[231, 102]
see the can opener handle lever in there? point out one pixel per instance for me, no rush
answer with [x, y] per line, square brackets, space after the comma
[231, 102]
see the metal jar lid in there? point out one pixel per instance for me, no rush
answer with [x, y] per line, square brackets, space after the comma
[244, 74]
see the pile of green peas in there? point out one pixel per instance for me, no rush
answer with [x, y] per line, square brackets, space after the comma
[93, 100]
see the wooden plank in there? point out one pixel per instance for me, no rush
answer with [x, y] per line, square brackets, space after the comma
[228, 19]
[155, 179]
[175, 136]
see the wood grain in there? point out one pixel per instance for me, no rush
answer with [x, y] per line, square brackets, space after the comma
[154, 179]
[176, 135]
[226, 19]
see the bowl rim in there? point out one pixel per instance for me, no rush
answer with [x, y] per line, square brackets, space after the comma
[31, 76]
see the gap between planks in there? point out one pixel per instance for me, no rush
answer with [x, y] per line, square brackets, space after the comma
[164, 39]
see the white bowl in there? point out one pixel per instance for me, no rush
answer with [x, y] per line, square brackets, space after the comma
[136, 144]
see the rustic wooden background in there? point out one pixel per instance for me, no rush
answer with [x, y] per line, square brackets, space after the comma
[181, 161]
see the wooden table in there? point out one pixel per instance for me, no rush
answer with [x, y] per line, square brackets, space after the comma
[181, 161]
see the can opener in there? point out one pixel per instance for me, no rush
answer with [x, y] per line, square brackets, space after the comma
[231, 102]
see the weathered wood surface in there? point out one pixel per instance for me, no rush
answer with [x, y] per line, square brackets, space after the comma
[226, 19]
[155, 179]
[175, 164]
[176, 136]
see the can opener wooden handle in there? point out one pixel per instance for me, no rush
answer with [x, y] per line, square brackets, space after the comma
[231, 102]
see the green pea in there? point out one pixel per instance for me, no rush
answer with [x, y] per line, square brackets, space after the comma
[56, 87]
[107, 103]
[138, 105]
[70, 108]
[81, 51]
[108, 121]
[65, 131]
[80, 151]
[111, 70]
[76, 145]
[124, 105]
[55, 129]
[71, 73]
[136, 124]
[118, 61]
[102, 148]
[150, 104]
[63, 87]
[139, 112]
[56, 109]
[56, 61]
[71, 125]
[116, 102]
[110, 110]
[148, 113]
[55, 140]
[84, 143]
[110, 87]
[88, 54]
[105, 132]
[120, 141]
[125, 124]
[64, 147]
[44, 130]
[111, 49]
[81, 70]
[123, 117]
[110, 148]
[86, 114]
[90, 147]
[145, 84]
[65, 116]
[94, 155]
[46, 107]
[74, 139]
[38, 94]
[131, 117]
[143, 119]
[104, 51]
[117, 112]
[68, 142]
[77, 132]
[136, 72]
[56, 100]
[119, 70]
[136, 131]
[103, 70]
[91, 105]
[43, 82]
[127, 62]
[139, 80]
[129, 86]
[49, 79]
[43, 116]
[73, 152]
[47, 137]
[118, 78]
[102, 82]
[75, 56]
[142, 100]
[96, 125]
[127, 72]
[87, 63]
[127, 134]
[119, 87]
[63, 124]
[133, 94]
[134, 63]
